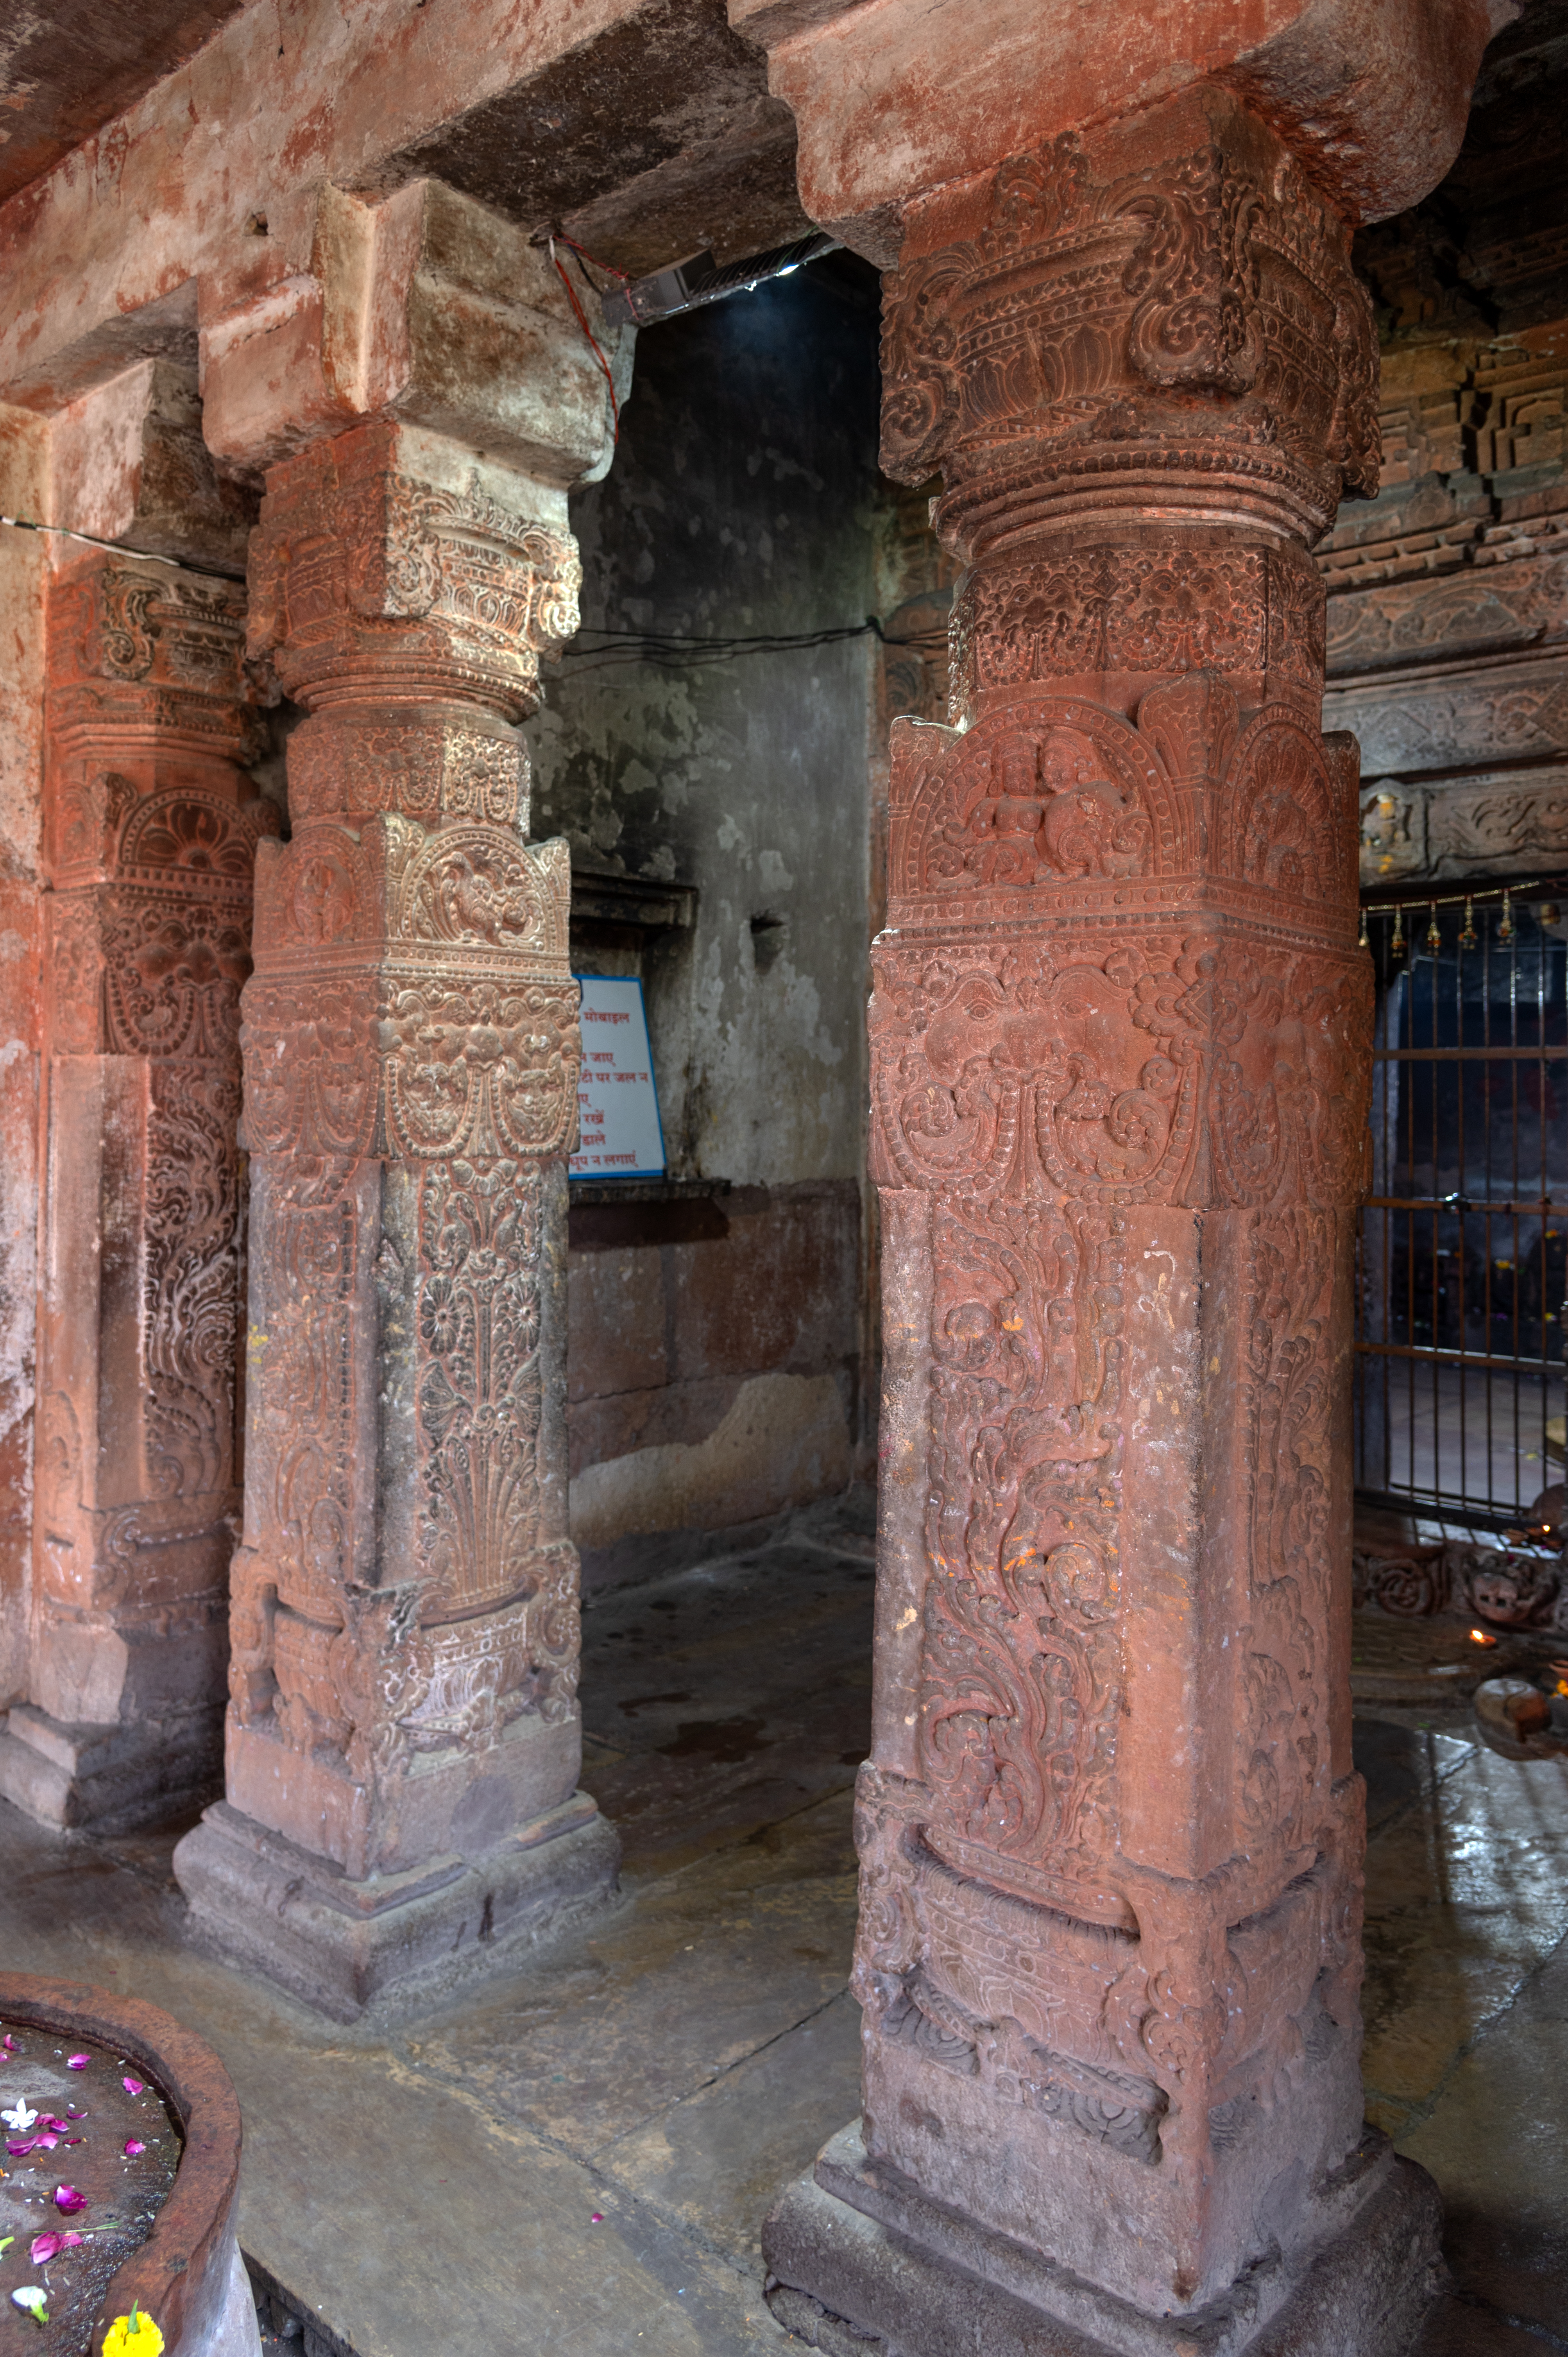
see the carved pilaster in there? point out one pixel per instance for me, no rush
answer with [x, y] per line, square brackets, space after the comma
[404, 1666]
[150, 833]
[1110, 1838]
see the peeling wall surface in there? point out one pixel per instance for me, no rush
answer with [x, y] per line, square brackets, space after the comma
[715, 1346]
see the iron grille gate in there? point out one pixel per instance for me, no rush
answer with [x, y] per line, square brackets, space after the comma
[1463, 1259]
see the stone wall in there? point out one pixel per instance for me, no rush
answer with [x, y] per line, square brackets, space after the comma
[718, 1368]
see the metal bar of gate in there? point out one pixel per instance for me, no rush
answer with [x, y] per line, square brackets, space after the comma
[1463, 1257]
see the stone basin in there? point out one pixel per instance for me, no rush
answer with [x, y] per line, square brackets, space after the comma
[185, 2273]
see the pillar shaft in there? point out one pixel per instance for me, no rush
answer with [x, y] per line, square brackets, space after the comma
[402, 1713]
[405, 1600]
[150, 830]
[1110, 1833]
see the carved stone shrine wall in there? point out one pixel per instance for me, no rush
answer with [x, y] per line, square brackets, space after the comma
[1111, 1839]
[151, 830]
[405, 1609]
[1448, 594]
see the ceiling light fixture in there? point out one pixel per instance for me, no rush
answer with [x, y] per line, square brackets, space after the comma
[686, 285]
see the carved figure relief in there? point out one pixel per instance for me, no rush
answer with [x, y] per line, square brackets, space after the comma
[1020, 1678]
[1170, 1071]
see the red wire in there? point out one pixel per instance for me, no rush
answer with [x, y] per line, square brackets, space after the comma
[583, 323]
[561, 239]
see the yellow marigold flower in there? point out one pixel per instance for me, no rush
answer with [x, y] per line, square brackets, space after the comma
[133, 2336]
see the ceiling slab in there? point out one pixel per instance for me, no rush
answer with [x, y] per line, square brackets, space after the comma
[67, 67]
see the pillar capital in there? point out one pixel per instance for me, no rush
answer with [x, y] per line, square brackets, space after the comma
[393, 564]
[1161, 319]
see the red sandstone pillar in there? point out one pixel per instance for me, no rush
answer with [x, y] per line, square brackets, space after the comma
[403, 1735]
[149, 833]
[1111, 1837]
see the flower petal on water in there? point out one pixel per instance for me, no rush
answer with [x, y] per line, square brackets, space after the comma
[67, 2201]
[77, 2061]
[133, 2145]
[133, 2086]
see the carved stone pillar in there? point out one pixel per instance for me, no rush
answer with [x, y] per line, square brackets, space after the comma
[150, 830]
[404, 1736]
[1111, 1835]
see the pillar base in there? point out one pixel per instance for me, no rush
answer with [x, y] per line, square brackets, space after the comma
[862, 2264]
[85, 1778]
[257, 1900]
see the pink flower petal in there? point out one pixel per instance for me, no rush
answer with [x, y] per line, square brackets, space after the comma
[67, 2201]
[133, 2145]
[77, 2061]
[133, 2086]
[46, 2247]
[9, 2043]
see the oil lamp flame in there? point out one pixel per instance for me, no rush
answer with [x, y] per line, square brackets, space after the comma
[1479, 1637]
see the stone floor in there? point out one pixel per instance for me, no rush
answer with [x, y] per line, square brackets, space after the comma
[577, 2159]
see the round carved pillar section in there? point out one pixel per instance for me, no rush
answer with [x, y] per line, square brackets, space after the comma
[150, 828]
[403, 1719]
[1111, 1837]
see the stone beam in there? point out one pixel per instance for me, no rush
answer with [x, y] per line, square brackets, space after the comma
[894, 95]
[1110, 1835]
[404, 1736]
[548, 112]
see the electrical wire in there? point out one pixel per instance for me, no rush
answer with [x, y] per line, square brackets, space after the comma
[118, 548]
[583, 323]
[671, 649]
[678, 651]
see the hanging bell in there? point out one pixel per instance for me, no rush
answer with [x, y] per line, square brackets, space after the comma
[1467, 930]
[1504, 928]
[1396, 939]
[1433, 935]
[1363, 943]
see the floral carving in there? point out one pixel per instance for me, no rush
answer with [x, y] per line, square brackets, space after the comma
[1073, 300]
[478, 1385]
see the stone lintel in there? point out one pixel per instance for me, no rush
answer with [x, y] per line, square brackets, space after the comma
[421, 305]
[127, 462]
[1374, 103]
